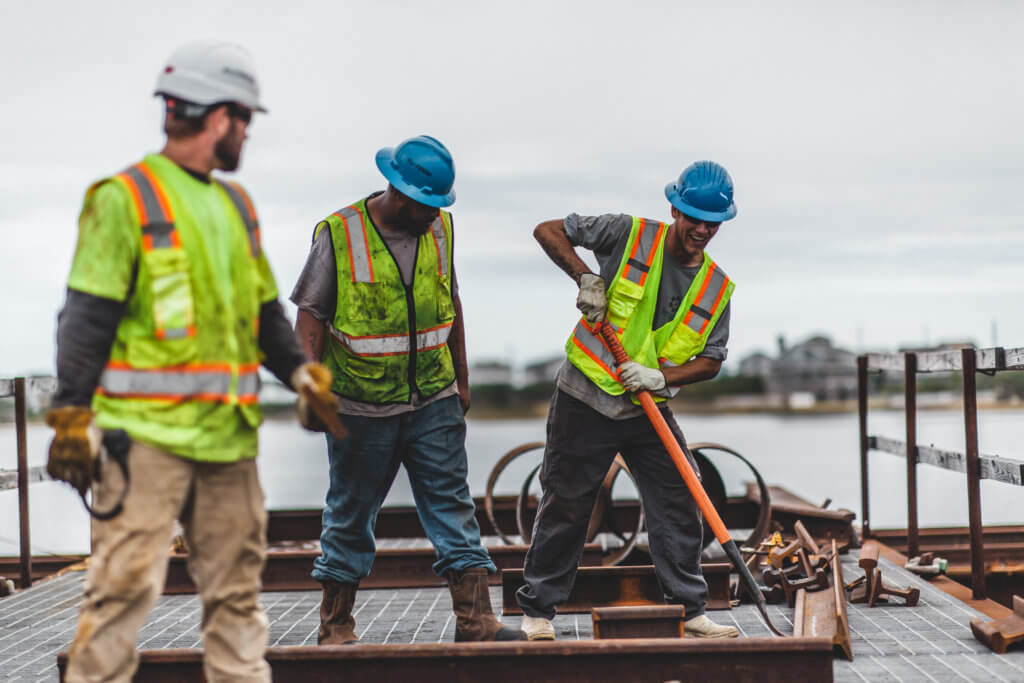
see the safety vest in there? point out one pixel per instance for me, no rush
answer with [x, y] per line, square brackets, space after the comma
[185, 360]
[632, 300]
[388, 339]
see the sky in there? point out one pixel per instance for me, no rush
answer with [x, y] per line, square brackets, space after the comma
[876, 148]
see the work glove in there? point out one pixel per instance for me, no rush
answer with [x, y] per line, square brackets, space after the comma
[75, 448]
[317, 405]
[591, 300]
[636, 377]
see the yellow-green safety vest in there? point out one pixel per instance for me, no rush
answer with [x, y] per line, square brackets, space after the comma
[388, 339]
[186, 355]
[632, 300]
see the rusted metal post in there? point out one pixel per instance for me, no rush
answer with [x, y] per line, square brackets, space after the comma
[862, 413]
[19, 421]
[973, 474]
[910, 408]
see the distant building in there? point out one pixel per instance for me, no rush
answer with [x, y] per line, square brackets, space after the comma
[490, 373]
[542, 372]
[811, 368]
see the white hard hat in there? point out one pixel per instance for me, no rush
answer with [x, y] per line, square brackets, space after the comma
[207, 72]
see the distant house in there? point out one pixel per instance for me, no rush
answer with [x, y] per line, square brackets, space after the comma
[542, 372]
[490, 373]
[813, 367]
[757, 364]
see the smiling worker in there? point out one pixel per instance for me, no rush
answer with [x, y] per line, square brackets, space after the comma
[669, 304]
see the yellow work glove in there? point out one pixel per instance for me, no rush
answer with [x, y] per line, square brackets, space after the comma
[75, 447]
[317, 405]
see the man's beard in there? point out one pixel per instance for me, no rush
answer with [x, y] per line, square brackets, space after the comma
[405, 222]
[228, 151]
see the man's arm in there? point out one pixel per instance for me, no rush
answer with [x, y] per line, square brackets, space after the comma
[457, 346]
[553, 239]
[282, 353]
[694, 370]
[311, 333]
[86, 329]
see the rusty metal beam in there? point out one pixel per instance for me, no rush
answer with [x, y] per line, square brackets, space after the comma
[823, 613]
[403, 522]
[25, 545]
[862, 424]
[628, 586]
[653, 621]
[766, 660]
[289, 569]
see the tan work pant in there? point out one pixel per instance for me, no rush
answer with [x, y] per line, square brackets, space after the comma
[221, 509]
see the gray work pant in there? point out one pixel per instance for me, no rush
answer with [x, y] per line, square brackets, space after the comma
[581, 445]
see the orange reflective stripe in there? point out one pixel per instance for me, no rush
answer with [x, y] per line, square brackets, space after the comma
[366, 241]
[654, 250]
[718, 300]
[594, 357]
[700, 294]
[348, 250]
[636, 245]
[140, 207]
[437, 248]
[160, 196]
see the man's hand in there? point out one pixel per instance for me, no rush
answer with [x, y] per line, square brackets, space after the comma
[464, 398]
[317, 406]
[75, 447]
[636, 377]
[591, 300]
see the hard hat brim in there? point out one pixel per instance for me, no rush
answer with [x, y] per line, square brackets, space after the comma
[385, 164]
[674, 198]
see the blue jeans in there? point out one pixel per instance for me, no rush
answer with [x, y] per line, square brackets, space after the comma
[431, 443]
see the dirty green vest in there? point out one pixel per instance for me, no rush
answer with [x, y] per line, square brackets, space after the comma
[632, 300]
[388, 339]
[186, 356]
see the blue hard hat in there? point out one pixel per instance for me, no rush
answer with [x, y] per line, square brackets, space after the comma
[704, 191]
[421, 168]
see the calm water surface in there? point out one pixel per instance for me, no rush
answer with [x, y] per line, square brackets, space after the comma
[813, 456]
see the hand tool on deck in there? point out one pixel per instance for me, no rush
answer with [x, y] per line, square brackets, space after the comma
[692, 482]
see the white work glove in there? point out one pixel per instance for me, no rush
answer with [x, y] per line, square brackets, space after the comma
[636, 377]
[591, 300]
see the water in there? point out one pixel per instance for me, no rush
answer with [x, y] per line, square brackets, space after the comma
[814, 456]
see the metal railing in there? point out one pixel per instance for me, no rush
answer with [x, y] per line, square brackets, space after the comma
[24, 475]
[976, 466]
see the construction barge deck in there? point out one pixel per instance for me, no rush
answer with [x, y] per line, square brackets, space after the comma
[409, 630]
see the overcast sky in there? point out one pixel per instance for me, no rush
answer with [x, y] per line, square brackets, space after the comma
[876, 148]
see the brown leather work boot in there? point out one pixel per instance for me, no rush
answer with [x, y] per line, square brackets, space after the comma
[472, 606]
[337, 627]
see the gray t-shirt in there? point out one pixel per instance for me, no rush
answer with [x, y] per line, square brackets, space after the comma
[607, 236]
[316, 292]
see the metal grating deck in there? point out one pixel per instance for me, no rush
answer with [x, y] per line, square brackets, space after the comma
[930, 642]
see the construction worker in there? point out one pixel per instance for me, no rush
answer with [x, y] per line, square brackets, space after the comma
[378, 302]
[669, 303]
[171, 308]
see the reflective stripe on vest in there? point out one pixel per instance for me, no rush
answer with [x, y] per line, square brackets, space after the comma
[707, 301]
[200, 382]
[644, 248]
[156, 220]
[441, 245]
[359, 260]
[246, 210]
[392, 344]
[590, 342]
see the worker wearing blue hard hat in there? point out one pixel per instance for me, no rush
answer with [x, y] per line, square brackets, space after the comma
[379, 304]
[668, 303]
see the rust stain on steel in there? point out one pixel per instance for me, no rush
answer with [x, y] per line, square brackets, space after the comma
[289, 570]
[766, 660]
[823, 613]
[625, 586]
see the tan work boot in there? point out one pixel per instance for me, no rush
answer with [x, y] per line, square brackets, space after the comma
[702, 627]
[472, 606]
[537, 628]
[337, 626]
